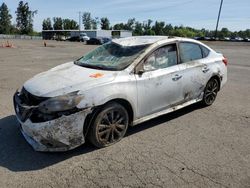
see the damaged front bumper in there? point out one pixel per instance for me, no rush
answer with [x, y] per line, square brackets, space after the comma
[60, 134]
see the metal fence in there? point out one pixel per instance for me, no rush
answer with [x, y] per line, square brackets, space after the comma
[26, 37]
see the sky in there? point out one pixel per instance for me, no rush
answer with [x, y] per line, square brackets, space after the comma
[195, 13]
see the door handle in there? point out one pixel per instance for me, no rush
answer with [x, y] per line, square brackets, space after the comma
[176, 77]
[205, 69]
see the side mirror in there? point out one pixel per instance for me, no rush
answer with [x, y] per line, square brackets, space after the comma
[140, 72]
[139, 69]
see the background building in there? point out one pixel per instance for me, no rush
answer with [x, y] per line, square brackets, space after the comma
[58, 34]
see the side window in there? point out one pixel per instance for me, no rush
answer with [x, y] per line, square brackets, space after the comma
[161, 58]
[205, 51]
[189, 52]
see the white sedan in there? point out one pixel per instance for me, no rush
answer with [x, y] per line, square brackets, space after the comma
[119, 84]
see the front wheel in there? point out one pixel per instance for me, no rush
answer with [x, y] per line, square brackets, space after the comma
[109, 125]
[210, 92]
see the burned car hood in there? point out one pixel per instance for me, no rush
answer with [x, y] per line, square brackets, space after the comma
[67, 78]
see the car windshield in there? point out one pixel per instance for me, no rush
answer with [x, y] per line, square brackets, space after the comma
[111, 56]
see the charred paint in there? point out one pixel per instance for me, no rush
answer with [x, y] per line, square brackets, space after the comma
[66, 132]
[60, 134]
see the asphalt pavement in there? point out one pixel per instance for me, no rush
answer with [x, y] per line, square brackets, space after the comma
[192, 147]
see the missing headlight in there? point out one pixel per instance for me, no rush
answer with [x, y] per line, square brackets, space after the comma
[60, 103]
[38, 117]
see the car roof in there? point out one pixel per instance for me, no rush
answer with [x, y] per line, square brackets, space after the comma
[139, 40]
[147, 40]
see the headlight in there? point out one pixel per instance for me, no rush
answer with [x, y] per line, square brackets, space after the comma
[60, 103]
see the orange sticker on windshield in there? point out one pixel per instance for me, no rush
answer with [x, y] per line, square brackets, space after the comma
[97, 75]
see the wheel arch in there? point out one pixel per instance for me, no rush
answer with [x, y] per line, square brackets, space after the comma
[90, 118]
[126, 104]
[218, 78]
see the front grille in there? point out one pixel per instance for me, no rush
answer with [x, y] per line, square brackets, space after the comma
[25, 103]
[22, 111]
[29, 99]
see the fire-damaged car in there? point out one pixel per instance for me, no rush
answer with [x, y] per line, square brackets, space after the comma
[119, 84]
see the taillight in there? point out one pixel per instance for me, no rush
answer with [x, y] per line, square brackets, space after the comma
[225, 61]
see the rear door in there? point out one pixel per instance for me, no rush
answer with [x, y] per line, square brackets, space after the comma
[158, 81]
[194, 68]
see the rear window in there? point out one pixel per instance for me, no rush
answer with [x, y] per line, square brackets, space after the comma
[205, 51]
[190, 52]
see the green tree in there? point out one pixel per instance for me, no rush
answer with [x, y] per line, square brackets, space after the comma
[138, 30]
[147, 27]
[13, 29]
[119, 26]
[242, 34]
[247, 33]
[47, 25]
[149, 32]
[168, 29]
[224, 33]
[70, 24]
[87, 20]
[24, 18]
[158, 28]
[183, 32]
[58, 23]
[5, 19]
[94, 23]
[130, 24]
[234, 34]
[105, 24]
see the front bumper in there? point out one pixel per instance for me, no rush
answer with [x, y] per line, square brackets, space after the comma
[61, 134]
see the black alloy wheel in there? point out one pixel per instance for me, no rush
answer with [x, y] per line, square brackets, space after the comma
[210, 92]
[110, 125]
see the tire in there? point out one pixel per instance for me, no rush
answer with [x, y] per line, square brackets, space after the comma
[109, 126]
[210, 92]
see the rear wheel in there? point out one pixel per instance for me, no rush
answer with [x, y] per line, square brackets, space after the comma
[210, 92]
[109, 125]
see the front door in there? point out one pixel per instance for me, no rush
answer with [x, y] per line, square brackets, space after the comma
[158, 81]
